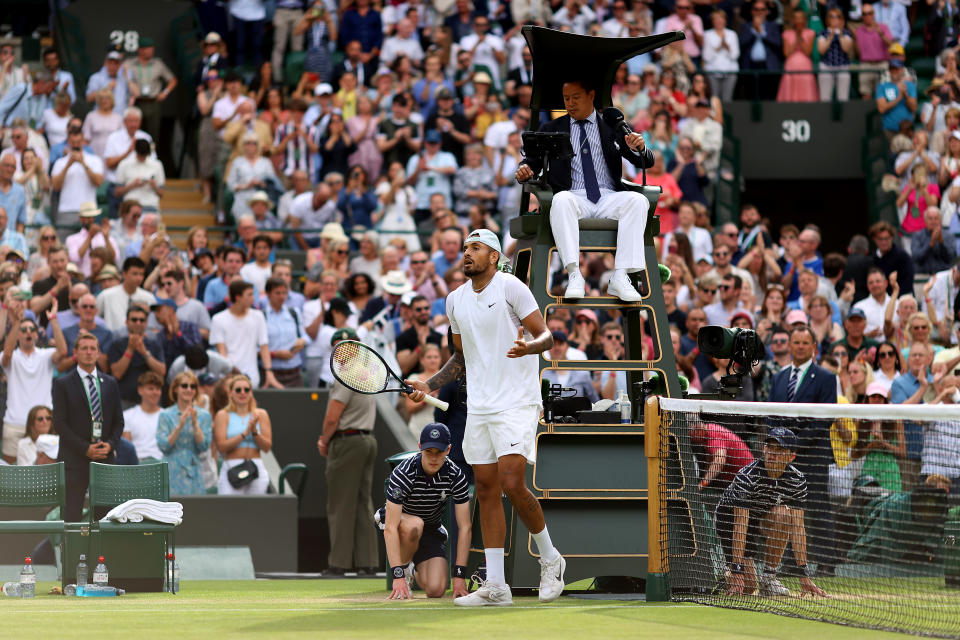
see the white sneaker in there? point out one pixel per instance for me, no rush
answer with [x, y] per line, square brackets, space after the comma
[620, 287]
[487, 595]
[770, 586]
[576, 285]
[408, 576]
[551, 578]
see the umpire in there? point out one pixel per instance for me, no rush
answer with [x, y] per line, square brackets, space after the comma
[348, 444]
[759, 512]
[417, 493]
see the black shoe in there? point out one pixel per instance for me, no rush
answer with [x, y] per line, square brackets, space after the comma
[643, 286]
[368, 571]
[334, 572]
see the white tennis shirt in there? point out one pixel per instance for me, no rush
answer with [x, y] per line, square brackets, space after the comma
[487, 323]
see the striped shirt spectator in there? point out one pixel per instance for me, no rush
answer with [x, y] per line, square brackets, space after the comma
[754, 489]
[424, 496]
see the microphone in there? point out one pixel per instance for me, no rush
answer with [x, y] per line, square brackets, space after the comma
[614, 119]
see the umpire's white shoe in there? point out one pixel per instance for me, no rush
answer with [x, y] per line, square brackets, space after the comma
[487, 595]
[576, 285]
[770, 586]
[621, 287]
[551, 578]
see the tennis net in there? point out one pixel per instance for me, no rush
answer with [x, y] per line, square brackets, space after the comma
[867, 511]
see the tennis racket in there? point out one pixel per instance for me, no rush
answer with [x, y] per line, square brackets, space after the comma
[360, 368]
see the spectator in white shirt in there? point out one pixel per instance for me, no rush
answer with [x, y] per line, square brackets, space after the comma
[90, 236]
[77, 176]
[55, 120]
[120, 143]
[29, 372]
[312, 210]
[141, 177]
[140, 421]
[225, 110]
[721, 52]
[35, 448]
[299, 183]
[487, 50]
[112, 303]
[404, 42]
[258, 270]
[240, 333]
[874, 306]
[575, 15]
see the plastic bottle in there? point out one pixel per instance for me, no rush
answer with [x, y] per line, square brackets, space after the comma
[28, 579]
[83, 572]
[70, 590]
[100, 574]
[98, 591]
[11, 589]
[176, 574]
[626, 415]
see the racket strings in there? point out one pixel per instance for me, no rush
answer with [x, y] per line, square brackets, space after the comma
[358, 367]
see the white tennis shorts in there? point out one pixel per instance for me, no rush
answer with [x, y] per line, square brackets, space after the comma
[490, 436]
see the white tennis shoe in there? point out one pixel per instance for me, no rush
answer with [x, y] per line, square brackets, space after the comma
[488, 595]
[770, 586]
[576, 285]
[621, 287]
[551, 578]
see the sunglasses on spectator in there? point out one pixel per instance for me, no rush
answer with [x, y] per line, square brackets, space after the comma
[44, 418]
[759, 10]
[683, 7]
[725, 287]
[51, 237]
[241, 389]
[342, 252]
[709, 291]
[887, 354]
[28, 329]
[188, 385]
[417, 261]
[720, 254]
[779, 341]
[584, 320]
[841, 354]
[136, 319]
[613, 336]
[168, 283]
[88, 306]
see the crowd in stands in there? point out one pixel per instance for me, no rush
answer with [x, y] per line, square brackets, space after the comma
[400, 137]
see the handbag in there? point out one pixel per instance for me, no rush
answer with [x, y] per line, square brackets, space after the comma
[243, 474]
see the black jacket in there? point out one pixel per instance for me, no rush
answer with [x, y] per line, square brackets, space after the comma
[614, 148]
[71, 417]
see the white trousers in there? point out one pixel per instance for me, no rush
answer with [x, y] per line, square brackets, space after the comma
[628, 207]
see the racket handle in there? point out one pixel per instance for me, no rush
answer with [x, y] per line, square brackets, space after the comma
[434, 402]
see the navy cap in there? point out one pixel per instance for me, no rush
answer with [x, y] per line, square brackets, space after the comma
[559, 336]
[163, 302]
[856, 312]
[435, 436]
[783, 437]
[894, 62]
[433, 136]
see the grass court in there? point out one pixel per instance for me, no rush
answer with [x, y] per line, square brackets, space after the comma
[358, 609]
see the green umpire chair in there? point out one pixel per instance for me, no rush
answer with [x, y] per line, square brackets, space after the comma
[591, 479]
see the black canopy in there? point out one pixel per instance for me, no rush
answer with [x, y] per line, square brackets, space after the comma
[559, 56]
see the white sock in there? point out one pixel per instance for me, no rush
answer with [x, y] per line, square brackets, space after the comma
[618, 273]
[573, 266]
[495, 566]
[547, 551]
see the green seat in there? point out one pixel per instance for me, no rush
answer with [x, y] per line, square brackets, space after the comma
[34, 486]
[293, 67]
[111, 485]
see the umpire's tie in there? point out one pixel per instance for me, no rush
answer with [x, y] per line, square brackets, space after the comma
[586, 160]
[95, 409]
[792, 385]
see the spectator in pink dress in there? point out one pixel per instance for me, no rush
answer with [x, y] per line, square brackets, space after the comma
[797, 48]
[917, 195]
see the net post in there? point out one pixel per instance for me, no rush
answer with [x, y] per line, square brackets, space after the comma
[658, 570]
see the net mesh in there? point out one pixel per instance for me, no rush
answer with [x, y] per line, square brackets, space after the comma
[877, 485]
[357, 366]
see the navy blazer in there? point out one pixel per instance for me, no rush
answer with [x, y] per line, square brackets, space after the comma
[71, 417]
[614, 148]
[818, 386]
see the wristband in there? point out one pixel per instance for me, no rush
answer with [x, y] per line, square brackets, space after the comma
[397, 571]
[128, 354]
[459, 571]
[736, 568]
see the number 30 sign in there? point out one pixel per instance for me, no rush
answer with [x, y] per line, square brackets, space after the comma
[795, 131]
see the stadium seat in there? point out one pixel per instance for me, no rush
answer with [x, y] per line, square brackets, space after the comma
[33, 486]
[111, 485]
[293, 67]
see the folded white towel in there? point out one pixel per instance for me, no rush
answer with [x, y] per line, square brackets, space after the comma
[139, 509]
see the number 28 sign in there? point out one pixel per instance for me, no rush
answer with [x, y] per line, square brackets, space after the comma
[795, 130]
[126, 40]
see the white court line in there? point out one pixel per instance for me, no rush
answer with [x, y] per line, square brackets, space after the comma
[451, 607]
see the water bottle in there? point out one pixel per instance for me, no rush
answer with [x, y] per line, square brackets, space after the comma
[626, 415]
[28, 579]
[100, 575]
[99, 591]
[82, 570]
[11, 589]
[176, 574]
[70, 590]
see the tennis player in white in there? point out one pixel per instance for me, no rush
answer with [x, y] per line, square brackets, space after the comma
[498, 331]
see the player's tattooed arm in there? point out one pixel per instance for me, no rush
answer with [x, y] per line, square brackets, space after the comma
[451, 371]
